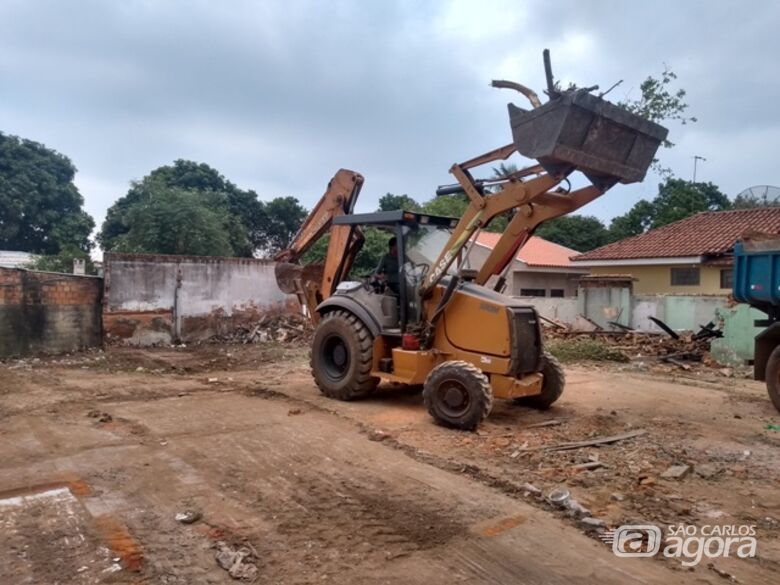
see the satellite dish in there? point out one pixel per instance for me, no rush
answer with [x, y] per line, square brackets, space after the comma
[765, 193]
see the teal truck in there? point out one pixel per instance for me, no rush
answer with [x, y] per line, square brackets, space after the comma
[757, 283]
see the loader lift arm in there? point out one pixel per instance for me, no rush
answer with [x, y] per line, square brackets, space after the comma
[313, 284]
[531, 199]
[572, 131]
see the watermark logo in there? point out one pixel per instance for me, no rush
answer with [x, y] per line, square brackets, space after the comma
[634, 540]
[686, 542]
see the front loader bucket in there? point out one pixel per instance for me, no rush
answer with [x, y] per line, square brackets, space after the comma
[579, 131]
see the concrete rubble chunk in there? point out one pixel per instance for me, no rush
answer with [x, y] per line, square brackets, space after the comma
[577, 509]
[378, 435]
[188, 516]
[531, 489]
[238, 562]
[592, 523]
[676, 472]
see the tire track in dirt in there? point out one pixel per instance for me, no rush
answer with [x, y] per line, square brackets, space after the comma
[326, 520]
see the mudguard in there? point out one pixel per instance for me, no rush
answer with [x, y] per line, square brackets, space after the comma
[353, 306]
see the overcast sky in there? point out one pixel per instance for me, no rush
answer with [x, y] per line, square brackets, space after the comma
[279, 95]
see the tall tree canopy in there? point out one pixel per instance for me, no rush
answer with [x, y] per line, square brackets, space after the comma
[239, 213]
[391, 202]
[637, 221]
[578, 232]
[190, 208]
[284, 215]
[41, 210]
[676, 200]
[177, 221]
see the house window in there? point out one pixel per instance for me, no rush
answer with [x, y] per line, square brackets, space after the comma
[556, 292]
[726, 278]
[532, 292]
[685, 276]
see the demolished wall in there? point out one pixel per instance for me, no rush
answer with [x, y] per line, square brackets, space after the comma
[679, 312]
[153, 298]
[48, 312]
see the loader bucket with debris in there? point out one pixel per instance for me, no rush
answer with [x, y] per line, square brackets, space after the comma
[579, 131]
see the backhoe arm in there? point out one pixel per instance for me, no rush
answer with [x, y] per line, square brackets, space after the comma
[339, 199]
[313, 284]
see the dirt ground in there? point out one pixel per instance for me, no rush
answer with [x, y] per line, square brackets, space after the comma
[99, 452]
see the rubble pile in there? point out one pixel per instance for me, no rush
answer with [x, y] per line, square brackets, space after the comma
[635, 344]
[678, 348]
[281, 327]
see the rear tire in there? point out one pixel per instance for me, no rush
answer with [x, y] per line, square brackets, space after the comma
[458, 395]
[552, 386]
[773, 377]
[341, 357]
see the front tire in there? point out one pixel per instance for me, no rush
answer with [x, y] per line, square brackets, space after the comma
[341, 357]
[458, 395]
[773, 377]
[552, 386]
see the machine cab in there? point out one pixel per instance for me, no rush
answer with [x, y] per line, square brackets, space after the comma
[393, 298]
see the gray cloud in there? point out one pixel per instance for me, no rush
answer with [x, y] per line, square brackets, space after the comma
[278, 96]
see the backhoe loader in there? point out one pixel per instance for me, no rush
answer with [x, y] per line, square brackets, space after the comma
[447, 326]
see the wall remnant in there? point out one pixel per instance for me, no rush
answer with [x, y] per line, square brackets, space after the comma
[680, 312]
[153, 298]
[736, 347]
[48, 312]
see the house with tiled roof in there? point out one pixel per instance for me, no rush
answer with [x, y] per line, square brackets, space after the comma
[690, 256]
[540, 269]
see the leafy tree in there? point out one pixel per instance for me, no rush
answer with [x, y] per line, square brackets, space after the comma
[390, 202]
[637, 221]
[374, 247]
[284, 215]
[676, 200]
[176, 221]
[63, 261]
[578, 232]
[455, 205]
[660, 103]
[40, 207]
[371, 253]
[447, 205]
[753, 201]
[245, 218]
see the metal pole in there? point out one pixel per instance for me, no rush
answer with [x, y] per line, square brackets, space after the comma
[696, 159]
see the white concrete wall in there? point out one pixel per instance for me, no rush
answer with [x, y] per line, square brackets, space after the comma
[231, 287]
[157, 298]
[564, 310]
[543, 280]
[680, 312]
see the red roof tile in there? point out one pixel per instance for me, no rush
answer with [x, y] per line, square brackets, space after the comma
[706, 233]
[536, 252]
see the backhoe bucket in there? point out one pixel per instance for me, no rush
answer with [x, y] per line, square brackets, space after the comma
[579, 131]
[290, 276]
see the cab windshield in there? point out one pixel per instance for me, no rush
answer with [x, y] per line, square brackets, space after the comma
[422, 246]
